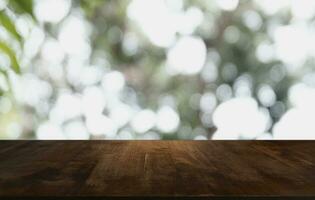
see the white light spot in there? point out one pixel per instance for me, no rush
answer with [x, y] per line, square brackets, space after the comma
[293, 45]
[5, 62]
[190, 20]
[4, 86]
[76, 131]
[206, 119]
[31, 90]
[68, 106]
[303, 9]
[243, 86]
[52, 10]
[143, 121]
[232, 34]
[101, 125]
[52, 52]
[93, 101]
[224, 92]
[90, 75]
[228, 5]
[73, 37]
[155, 19]
[33, 43]
[3, 4]
[252, 20]
[210, 72]
[296, 124]
[208, 102]
[188, 56]
[130, 44]
[121, 114]
[239, 118]
[113, 82]
[167, 119]
[302, 96]
[265, 52]
[49, 131]
[267, 96]
[271, 7]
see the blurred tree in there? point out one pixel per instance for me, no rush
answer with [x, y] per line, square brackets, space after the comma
[176, 57]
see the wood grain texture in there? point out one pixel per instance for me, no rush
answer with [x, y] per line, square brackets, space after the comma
[157, 169]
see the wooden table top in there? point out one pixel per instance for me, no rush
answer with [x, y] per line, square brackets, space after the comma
[210, 169]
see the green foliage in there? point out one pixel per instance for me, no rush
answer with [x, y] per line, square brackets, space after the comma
[8, 24]
[90, 5]
[14, 62]
[145, 67]
[22, 6]
[18, 7]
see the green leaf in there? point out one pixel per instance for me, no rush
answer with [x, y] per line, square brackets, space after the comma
[25, 6]
[90, 5]
[7, 50]
[9, 25]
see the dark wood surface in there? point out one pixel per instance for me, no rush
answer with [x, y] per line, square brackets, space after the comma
[208, 169]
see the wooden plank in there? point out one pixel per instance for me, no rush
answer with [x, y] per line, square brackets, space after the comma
[194, 169]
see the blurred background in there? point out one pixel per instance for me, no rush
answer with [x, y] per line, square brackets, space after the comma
[158, 69]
